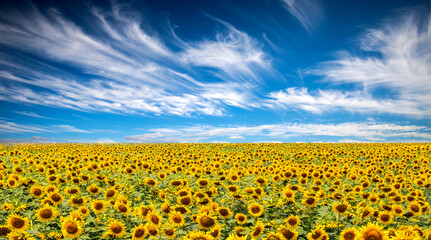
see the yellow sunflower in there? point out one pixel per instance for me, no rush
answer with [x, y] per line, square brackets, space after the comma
[258, 229]
[255, 209]
[205, 220]
[240, 218]
[177, 219]
[349, 234]
[116, 229]
[372, 231]
[17, 223]
[292, 221]
[139, 232]
[71, 227]
[46, 213]
[98, 206]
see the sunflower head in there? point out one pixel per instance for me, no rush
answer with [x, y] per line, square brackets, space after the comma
[17, 223]
[349, 234]
[46, 213]
[205, 220]
[71, 227]
[240, 218]
[116, 229]
[255, 209]
[372, 232]
[139, 232]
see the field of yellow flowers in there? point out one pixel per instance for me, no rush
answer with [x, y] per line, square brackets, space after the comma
[215, 191]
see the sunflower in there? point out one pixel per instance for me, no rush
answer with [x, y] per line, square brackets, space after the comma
[17, 223]
[98, 206]
[240, 218]
[71, 227]
[176, 218]
[55, 198]
[139, 232]
[71, 191]
[274, 236]
[292, 221]
[261, 181]
[349, 234]
[255, 209]
[46, 213]
[36, 191]
[199, 235]
[233, 236]
[403, 235]
[239, 231]
[116, 229]
[397, 210]
[154, 219]
[93, 189]
[372, 232]
[289, 194]
[78, 201]
[203, 182]
[216, 231]
[316, 234]
[341, 208]
[4, 230]
[224, 212]
[150, 182]
[152, 230]
[122, 208]
[83, 210]
[385, 218]
[111, 193]
[185, 201]
[257, 230]
[310, 201]
[205, 220]
[169, 232]
[288, 233]
[12, 182]
[415, 208]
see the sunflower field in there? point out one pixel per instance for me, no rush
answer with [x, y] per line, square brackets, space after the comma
[216, 191]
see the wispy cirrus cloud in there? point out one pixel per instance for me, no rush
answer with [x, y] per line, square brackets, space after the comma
[130, 70]
[321, 101]
[369, 130]
[398, 61]
[11, 127]
[308, 12]
[31, 114]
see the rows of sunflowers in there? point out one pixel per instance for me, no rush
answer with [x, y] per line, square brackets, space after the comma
[215, 191]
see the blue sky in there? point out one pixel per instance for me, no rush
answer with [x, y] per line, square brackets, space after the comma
[215, 71]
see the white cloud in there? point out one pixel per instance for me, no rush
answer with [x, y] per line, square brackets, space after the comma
[31, 114]
[132, 70]
[105, 140]
[34, 139]
[234, 53]
[68, 128]
[362, 131]
[399, 63]
[321, 101]
[308, 12]
[11, 127]
[236, 137]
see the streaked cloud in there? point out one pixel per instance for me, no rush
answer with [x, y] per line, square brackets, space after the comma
[31, 114]
[11, 127]
[132, 71]
[321, 101]
[68, 128]
[308, 12]
[369, 130]
[398, 61]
